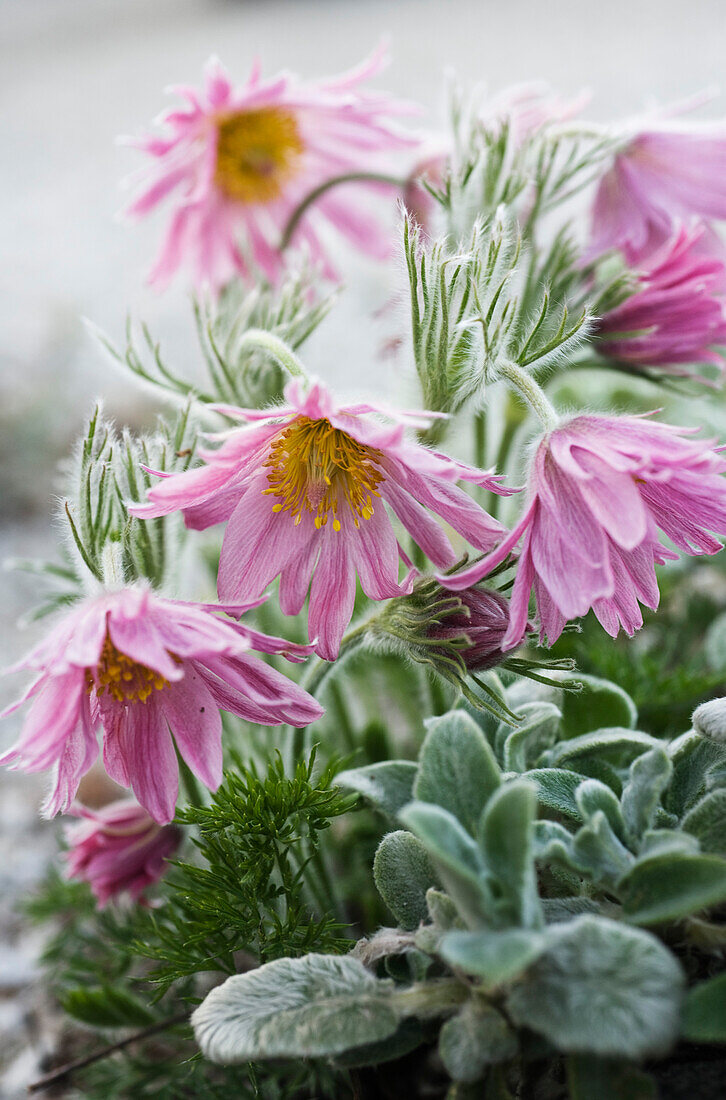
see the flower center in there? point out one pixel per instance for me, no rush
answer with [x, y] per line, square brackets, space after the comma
[125, 680]
[316, 468]
[257, 151]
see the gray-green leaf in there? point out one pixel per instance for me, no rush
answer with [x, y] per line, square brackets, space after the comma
[403, 873]
[455, 856]
[670, 886]
[474, 1039]
[506, 838]
[388, 785]
[496, 957]
[707, 821]
[314, 1006]
[457, 769]
[602, 988]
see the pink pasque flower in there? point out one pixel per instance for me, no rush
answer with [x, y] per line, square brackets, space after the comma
[668, 172]
[118, 849]
[151, 673]
[676, 316]
[237, 160]
[302, 489]
[599, 489]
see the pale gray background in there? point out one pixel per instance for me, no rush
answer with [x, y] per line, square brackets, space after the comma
[74, 74]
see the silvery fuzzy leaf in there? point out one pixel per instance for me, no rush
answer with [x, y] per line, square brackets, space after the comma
[456, 857]
[707, 822]
[495, 957]
[388, 785]
[603, 988]
[314, 1006]
[457, 769]
[617, 741]
[475, 1038]
[649, 776]
[592, 797]
[506, 838]
[710, 720]
[403, 873]
[538, 731]
[556, 790]
[668, 887]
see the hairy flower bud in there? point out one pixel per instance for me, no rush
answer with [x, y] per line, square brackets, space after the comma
[456, 636]
[482, 620]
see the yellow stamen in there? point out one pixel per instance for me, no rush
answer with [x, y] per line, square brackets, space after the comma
[316, 468]
[257, 152]
[125, 680]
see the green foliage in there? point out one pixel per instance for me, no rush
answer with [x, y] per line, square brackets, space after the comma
[547, 872]
[255, 886]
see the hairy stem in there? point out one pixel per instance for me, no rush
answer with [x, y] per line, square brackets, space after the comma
[318, 192]
[533, 394]
[259, 340]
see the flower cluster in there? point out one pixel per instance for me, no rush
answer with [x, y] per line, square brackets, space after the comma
[338, 503]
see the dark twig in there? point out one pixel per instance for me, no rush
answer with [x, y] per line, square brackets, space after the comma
[65, 1071]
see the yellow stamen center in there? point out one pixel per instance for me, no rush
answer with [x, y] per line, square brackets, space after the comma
[316, 468]
[125, 680]
[257, 152]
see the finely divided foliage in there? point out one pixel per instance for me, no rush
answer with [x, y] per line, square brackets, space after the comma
[395, 847]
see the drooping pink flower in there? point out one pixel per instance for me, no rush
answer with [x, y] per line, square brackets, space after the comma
[529, 107]
[668, 172]
[302, 489]
[118, 849]
[599, 490]
[236, 161]
[676, 316]
[152, 673]
[484, 620]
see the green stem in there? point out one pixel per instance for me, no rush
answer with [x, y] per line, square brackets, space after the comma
[318, 192]
[480, 439]
[190, 785]
[259, 340]
[430, 998]
[533, 394]
[320, 670]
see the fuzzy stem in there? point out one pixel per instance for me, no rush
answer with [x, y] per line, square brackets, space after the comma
[259, 340]
[112, 568]
[533, 394]
[430, 998]
[318, 192]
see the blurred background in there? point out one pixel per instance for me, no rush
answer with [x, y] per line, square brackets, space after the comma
[75, 74]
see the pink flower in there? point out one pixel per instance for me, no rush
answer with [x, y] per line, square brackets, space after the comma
[666, 173]
[303, 487]
[599, 490]
[239, 159]
[118, 849]
[431, 168]
[676, 315]
[484, 621]
[529, 107]
[152, 673]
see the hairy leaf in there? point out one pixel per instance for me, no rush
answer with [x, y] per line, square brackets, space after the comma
[403, 873]
[601, 988]
[315, 1006]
